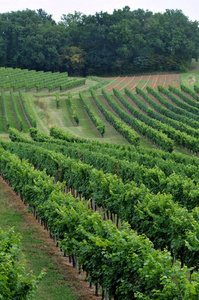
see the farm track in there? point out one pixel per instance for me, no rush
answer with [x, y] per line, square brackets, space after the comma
[75, 281]
[93, 127]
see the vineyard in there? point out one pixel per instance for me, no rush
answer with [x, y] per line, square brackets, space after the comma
[110, 168]
[120, 83]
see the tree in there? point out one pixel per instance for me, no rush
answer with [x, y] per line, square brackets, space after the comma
[74, 59]
[124, 42]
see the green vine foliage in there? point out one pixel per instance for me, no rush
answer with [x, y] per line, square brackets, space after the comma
[99, 124]
[127, 198]
[156, 136]
[16, 282]
[118, 259]
[170, 110]
[130, 135]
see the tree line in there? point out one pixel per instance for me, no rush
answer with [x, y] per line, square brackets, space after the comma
[124, 42]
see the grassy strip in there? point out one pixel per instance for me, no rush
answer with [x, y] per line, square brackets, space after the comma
[41, 123]
[111, 135]
[9, 116]
[73, 108]
[17, 107]
[2, 125]
[99, 124]
[36, 248]
[191, 77]
[27, 109]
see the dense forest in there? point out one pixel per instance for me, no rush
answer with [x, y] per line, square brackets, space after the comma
[124, 42]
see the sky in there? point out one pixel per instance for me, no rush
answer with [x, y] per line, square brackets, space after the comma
[57, 8]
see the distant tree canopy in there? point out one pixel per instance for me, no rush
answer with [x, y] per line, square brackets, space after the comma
[124, 42]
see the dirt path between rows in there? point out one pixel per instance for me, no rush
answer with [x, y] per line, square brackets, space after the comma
[71, 277]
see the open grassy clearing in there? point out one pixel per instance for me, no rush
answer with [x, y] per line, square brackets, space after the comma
[62, 117]
[191, 77]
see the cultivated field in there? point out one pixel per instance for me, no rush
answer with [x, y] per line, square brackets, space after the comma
[110, 168]
[130, 82]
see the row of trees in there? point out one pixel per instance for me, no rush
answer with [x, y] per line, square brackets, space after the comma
[123, 42]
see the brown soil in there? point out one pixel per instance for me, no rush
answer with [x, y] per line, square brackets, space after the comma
[135, 82]
[144, 80]
[72, 278]
[117, 84]
[126, 82]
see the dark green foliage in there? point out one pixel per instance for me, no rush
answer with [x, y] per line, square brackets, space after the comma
[122, 42]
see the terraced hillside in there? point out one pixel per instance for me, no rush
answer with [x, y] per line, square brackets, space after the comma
[154, 109]
[124, 214]
[120, 83]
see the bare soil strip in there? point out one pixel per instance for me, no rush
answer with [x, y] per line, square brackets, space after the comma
[144, 80]
[116, 84]
[127, 81]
